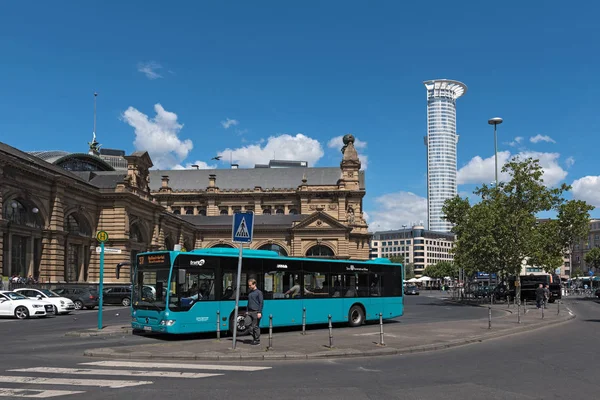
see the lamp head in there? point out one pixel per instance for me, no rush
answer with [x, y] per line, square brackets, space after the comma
[495, 121]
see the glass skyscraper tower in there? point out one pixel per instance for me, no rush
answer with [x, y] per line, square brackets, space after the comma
[441, 141]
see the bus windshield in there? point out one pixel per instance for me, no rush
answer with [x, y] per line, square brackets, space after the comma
[150, 288]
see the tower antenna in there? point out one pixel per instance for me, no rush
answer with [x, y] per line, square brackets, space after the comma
[95, 96]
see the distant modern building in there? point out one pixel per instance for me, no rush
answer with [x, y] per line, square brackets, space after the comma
[583, 247]
[441, 141]
[415, 245]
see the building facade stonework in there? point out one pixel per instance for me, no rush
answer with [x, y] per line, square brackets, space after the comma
[52, 210]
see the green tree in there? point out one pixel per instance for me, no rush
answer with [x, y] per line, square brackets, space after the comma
[577, 273]
[592, 258]
[501, 231]
[441, 270]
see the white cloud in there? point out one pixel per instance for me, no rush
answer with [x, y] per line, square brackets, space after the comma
[569, 162]
[282, 147]
[200, 164]
[159, 136]
[338, 142]
[541, 138]
[150, 69]
[516, 142]
[228, 123]
[587, 189]
[480, 170]
[396, 209]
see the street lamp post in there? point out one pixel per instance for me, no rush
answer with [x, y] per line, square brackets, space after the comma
[495, 121]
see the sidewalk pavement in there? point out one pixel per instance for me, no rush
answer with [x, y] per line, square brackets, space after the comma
[363, 341]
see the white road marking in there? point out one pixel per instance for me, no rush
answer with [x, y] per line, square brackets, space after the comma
[74, 382]
[123, 372]
[34, 393]
[150, 364]
[374, 334]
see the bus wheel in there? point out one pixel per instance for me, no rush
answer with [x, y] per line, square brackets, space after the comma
[356, 316]
[242, 329]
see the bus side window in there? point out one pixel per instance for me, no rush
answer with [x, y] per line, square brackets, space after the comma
[375, 285]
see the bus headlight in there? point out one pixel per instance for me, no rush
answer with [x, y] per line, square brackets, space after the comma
[167, 322]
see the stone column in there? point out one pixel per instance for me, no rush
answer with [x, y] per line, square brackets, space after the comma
[53, 256]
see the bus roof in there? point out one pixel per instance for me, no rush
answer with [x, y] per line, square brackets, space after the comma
[251, 253]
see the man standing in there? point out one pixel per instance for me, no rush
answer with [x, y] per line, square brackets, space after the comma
[255, 307]
[539, 296]
[547, 295]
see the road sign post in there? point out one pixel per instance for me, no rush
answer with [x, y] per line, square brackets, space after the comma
[102, 237]
[241, 232]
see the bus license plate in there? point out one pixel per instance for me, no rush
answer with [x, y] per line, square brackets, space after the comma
[147, 328]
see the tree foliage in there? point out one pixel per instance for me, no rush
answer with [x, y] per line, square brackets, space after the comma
[501, 232]
[592, 258]
[441, 270]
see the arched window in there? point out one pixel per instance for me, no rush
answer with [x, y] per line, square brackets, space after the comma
[224, 212]
[279, 211]
[177, 212]
[222, 246]
[20, 213]
[319, 251]
[77, 225]
[293, 211]
[189, 211]
[274, 247]
[169, 243]
[202, 211]
[267, 211]
[135, 233]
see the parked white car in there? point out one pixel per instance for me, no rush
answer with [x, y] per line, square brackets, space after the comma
[62, 305]
[19, 306]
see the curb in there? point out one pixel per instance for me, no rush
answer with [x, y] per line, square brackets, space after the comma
[94, 332]
[272, 355]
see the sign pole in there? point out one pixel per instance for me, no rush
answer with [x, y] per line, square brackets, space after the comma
[101, 285]
[241, 232]
[237, 294]
[102, 237]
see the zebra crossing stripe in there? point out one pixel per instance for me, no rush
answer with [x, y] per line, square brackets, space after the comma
[35, 394]
[72, 382]
[132, 364]
[80, 371]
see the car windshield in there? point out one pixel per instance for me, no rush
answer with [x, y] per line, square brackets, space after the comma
[14, 296]
[49, 293]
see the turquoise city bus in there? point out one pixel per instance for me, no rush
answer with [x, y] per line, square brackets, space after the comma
[183, 292]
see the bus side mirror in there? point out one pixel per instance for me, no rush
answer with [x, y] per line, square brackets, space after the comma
[119, 266]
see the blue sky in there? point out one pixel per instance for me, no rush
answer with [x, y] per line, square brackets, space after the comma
[287, 78]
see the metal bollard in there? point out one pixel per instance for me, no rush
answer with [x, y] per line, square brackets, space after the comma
[270, 331]
[519, 313]
[558, 307]
[218, 325]
[381, 343]
[525, 301]
[330, 332]
[543, 310]
[490, 317]
[304, 320]
[508, 301]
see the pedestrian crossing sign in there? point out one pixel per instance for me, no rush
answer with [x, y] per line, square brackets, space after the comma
[243, 226]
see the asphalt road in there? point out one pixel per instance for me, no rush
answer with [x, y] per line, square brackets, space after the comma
[558, 362]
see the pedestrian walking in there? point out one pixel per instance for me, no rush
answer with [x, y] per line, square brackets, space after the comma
[255, 307]
[547, 295]
[539, 296]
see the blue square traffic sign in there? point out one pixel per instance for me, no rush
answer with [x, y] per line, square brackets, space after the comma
[243, 227]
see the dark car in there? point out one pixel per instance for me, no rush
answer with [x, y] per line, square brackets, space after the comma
[81, 296]
[597, 294]
[411, 290]
[117, 295]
